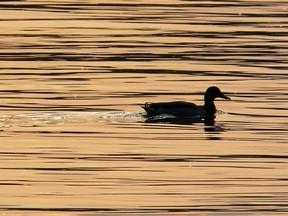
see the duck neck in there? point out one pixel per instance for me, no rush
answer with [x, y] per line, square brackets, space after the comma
[209, 106]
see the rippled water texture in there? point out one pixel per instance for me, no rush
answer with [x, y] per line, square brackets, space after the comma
[75, 140]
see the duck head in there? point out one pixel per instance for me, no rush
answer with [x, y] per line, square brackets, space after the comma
[210, 95]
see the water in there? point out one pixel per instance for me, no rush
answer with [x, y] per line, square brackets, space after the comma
[74, 140]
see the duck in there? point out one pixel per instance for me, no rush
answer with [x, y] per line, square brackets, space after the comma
[184, 109]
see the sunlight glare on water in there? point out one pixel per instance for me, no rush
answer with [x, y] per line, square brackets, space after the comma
[75, 140]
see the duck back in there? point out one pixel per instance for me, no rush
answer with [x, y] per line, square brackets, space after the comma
[176, 108]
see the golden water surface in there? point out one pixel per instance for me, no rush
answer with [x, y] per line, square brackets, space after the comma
[74, 140]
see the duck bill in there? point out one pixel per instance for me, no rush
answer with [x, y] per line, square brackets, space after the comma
[225, 97]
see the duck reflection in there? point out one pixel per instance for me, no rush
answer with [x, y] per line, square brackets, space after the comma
[208, 121]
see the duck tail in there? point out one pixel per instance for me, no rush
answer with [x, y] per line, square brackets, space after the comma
[147, 107]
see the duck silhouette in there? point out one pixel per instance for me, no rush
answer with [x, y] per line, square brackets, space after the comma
[182, 109]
